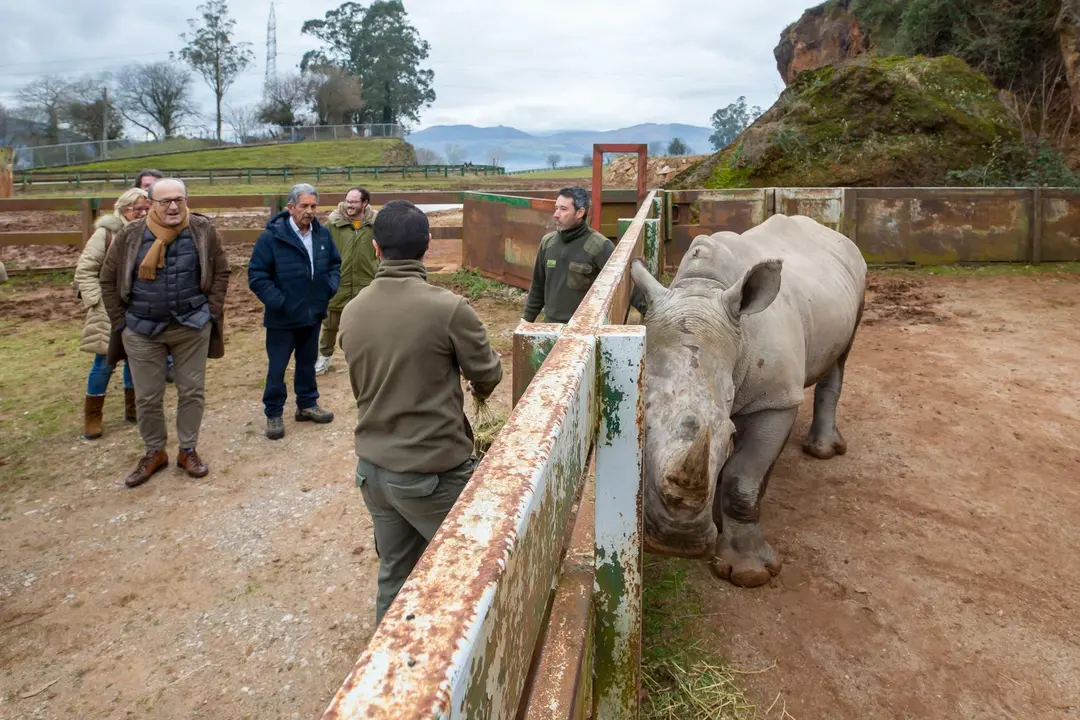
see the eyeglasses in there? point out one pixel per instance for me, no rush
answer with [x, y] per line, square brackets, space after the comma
[166, 202]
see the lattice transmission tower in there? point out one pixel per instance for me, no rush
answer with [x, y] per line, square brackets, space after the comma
[271, 49]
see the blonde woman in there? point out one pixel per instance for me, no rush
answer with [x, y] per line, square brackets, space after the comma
[132, 205]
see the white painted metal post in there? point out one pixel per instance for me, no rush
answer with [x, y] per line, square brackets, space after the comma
[618, 537]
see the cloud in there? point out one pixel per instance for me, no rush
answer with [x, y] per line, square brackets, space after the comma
[596, 64]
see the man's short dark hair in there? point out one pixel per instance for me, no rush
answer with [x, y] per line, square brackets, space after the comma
[401, 231]
[365, 196]
[579, 195]
[149, 172]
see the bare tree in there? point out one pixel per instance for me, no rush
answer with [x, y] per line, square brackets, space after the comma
[425, 156]
[156, 97]
[285, 100]
[338, 96]
[554, 159]
[455, 154]
[243, 120]
[497, 155]
[211, 52]
[43, 101]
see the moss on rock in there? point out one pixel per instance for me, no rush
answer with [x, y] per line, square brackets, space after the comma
[873, 121]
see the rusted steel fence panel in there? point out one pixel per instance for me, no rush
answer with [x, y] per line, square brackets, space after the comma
[532, 344]
[922, 226]
[826, 205]
[503, 235]
[942, 226]
[703, 212]
[1058, 236]
[619, 548]
[562, 672]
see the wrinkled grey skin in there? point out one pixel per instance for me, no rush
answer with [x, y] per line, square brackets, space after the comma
[749, 322]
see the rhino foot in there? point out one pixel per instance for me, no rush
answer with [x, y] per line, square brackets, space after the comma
[825, 445]
[750, 568]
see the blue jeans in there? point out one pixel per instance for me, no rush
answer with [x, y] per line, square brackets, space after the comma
[280, 345]
[100, 374]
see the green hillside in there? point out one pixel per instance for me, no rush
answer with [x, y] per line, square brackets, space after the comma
[356, 152]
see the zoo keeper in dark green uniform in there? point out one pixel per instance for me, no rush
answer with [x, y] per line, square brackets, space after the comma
[568, 261]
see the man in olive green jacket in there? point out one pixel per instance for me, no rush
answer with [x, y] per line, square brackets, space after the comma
[407, 344]
[350, 227]
[568, 262]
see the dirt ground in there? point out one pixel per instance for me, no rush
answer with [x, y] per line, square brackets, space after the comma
[248, 594]
[928, 573]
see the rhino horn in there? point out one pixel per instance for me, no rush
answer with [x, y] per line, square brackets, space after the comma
[695, 466]
[653, 289]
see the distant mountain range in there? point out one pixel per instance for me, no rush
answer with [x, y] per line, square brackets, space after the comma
[520, 150]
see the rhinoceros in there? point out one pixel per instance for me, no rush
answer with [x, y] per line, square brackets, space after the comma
[749, 322]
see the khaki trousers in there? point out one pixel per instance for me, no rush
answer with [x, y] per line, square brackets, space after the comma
[146, 358]
[329, 332]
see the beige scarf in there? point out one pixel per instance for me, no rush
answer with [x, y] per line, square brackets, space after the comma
[163, 237]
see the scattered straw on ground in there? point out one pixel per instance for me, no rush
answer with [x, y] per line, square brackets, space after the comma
[700, 690]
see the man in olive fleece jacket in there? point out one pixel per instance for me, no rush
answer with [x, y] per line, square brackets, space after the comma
[350, 227]
[568, 262]
[407, 344]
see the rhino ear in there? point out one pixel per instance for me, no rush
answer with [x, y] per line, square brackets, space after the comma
[755, 291]
[650, 286]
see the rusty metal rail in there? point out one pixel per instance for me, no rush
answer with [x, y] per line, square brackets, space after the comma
[461, 637]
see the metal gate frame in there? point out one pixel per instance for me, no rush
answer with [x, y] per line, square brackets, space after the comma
[599, 149]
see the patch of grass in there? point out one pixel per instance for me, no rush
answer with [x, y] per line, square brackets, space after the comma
[17, 284]
[573, 172]
[988, 270]
[681, 678]
[41, 388]
[366, 151]
[473, 285]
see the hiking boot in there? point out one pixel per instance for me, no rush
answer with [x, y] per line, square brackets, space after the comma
[130, 414]
[191, 463]
[92, 419]
[322, 365]
[275, 428]
[314, 414]
[152, 462]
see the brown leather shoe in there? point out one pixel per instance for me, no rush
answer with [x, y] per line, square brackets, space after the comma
[150, 463]
[92, 419]
[130, 413]
[192, 464]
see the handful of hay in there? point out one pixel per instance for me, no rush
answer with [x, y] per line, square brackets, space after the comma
[487, 424]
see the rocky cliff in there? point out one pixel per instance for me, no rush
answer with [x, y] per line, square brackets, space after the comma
[869, 122]
[824, 35]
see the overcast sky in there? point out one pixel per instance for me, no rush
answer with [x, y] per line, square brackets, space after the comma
[589, 64]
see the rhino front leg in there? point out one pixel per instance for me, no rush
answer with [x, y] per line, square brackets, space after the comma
[742, 555]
